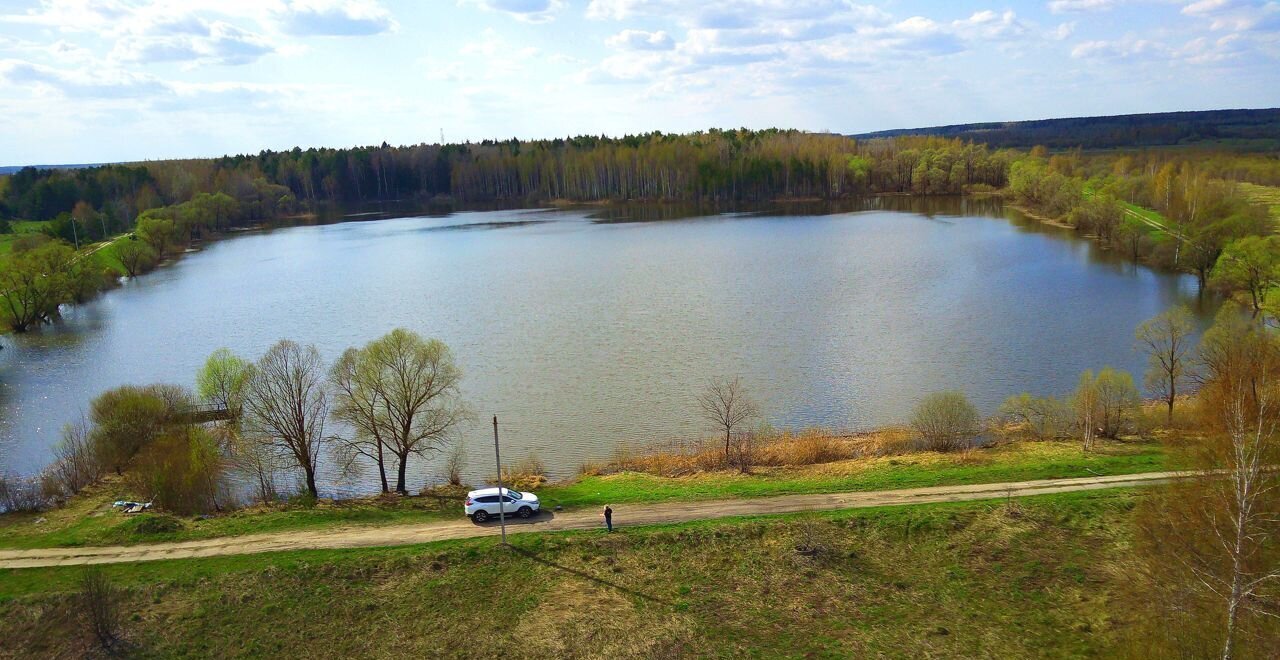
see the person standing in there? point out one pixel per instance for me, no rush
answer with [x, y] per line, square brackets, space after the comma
[608, 517]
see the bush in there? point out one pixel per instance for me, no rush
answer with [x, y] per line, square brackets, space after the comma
[126, 419]
[1043, 417]
[455, 463]
[1105, 405]
[527, 474]
[302, 498]
[945, 421]
[101, 603]
[181, 471]
[21, 495]
[743, 447]
[75, 464]
[152, 524]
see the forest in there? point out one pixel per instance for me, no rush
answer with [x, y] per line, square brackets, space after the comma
[1180, 209]
[735, 165]
[1241, 130]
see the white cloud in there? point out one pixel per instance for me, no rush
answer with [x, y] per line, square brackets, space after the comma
[195, 41]
[1237, 15]
[528, 11]
[1068, 6]
[1128, 47]
[641, 40]
[1063, 31]
[333, 17]
[205, 31]
[80, 83]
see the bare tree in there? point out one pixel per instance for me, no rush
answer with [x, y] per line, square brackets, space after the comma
[101, 605]
[286, 405]
[726, 405]
[75, 462]
[1166, 339]
[1242, 395]
[261, 462]
[400, 391]
[455, 464]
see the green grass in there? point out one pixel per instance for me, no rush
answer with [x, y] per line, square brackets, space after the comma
[1266, 195]
[1011, 462]
[88, 519]
[993, 579]
[19, 227]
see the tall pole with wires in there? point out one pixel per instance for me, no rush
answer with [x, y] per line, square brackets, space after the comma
[502, 496]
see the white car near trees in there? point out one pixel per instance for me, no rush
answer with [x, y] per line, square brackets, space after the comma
[483, 504]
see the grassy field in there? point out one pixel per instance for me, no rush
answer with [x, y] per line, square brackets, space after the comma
[19, 227]
[1028, 578]
[89, 519]
[1018, 461]
[1268, 195]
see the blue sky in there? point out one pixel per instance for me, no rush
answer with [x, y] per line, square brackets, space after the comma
[107, 80]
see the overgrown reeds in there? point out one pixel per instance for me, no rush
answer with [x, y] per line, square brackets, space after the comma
[768, 449]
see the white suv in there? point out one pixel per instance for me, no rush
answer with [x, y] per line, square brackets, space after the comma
[483, 504]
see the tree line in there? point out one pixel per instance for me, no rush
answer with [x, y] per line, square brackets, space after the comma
[715, 165]
[375, 408]
[1203, 224]
[168, 204]
[1255, 130]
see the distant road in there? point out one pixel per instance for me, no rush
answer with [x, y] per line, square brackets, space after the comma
[624, 516]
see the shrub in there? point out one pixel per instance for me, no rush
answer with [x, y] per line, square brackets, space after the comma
[181, 471]
[1120, 402]
[455, 463]
[1043, 417]
[527, 474]
[75, 464]
[1106, 405]
[128, 418]
[152, 524]
[946, 421]
[21, 495]
[101, 603]
[742, 450]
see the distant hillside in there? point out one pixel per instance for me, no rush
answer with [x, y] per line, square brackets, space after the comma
[10, 169]
[1250, 130]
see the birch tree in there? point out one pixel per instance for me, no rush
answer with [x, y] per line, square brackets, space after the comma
[1087, 407]
[1241, 397]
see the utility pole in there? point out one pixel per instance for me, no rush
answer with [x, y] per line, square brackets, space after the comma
[502, 497]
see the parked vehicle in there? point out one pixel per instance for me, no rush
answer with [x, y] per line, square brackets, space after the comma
[483, 504]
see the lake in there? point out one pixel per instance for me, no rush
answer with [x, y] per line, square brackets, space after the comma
[583, 328]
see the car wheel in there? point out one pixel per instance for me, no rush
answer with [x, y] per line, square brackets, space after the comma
[479, 516]
[525, 512]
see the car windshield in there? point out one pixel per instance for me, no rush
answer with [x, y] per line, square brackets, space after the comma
[515, 494]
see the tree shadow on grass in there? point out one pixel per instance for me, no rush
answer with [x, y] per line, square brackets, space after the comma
[587, 576]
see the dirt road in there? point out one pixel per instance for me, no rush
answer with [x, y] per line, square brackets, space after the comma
[625, 515]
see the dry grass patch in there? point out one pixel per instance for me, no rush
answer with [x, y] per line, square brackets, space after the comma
[781, 449]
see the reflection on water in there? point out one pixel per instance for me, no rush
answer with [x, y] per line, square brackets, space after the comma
[585, 327]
